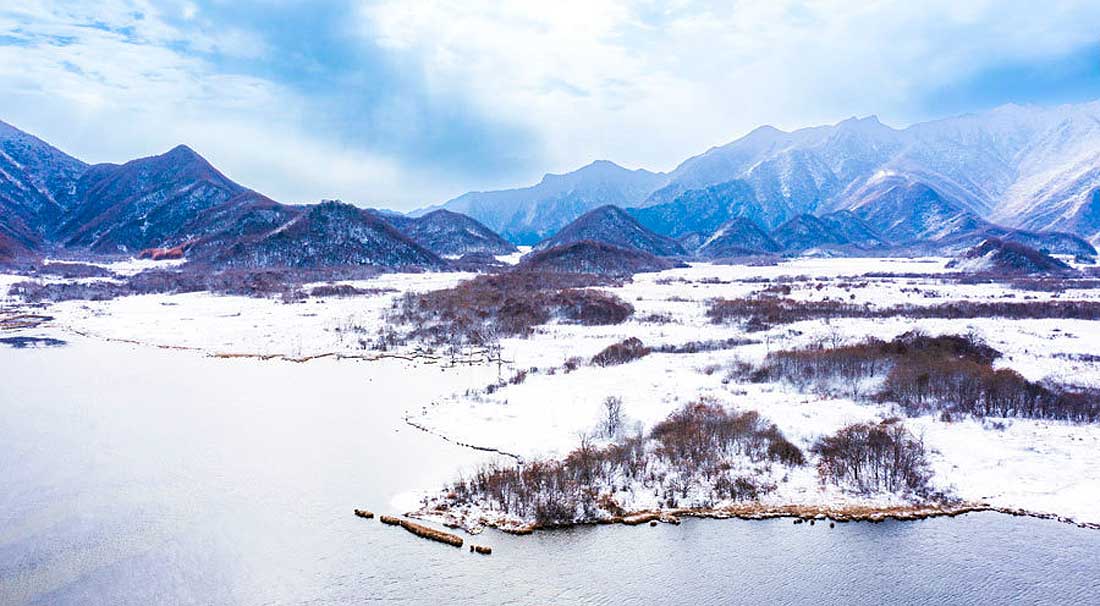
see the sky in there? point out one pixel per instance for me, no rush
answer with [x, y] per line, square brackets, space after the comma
[405, 103]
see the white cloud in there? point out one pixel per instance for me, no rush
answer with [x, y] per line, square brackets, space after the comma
[647, 83]
[120, 90]
[642, 82]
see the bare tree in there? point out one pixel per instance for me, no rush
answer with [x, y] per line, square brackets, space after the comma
[611, 424]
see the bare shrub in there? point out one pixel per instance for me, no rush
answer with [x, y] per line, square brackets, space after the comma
[488, 307]
[622, 352]
[282, 282]
[693, 447]
[571, 364]
[764, 312]
[700, 346]
[872, 457]
[925, 374]
[346, 290]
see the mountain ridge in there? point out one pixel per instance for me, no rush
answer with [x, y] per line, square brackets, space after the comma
[1027, 167]
[178, 204]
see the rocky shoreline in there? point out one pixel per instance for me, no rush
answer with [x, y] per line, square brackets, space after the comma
[750, 511]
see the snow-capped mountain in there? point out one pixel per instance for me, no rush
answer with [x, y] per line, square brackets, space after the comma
[841, 230]
[37, 186]
[995, 256]
[1017, 173]
[704, 210]
[530, 214]
[1020, 167]
[591, 257]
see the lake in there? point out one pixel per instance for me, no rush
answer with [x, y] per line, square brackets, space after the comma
[135, 475]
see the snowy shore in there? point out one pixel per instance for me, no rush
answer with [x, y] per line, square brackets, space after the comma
[1040, 466]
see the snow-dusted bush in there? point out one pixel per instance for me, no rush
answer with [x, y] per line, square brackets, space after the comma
[622, 352]
[482, 310]
[873, 457]
[924, 374]
[764, 312]
[280, 282]
[613, 418]
[701, 454]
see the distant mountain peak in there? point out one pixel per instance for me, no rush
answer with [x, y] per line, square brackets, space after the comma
[870, 120]
[528, 215]
[182, 150]
[766, 129]
[445, 232]
[592, 257]
[612, 225]
[596, 168]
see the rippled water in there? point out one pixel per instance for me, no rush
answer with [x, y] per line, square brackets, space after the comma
[131, 475]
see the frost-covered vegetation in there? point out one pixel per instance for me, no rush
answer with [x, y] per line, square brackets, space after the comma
[702, 454]
[284, 283]
[493, 306]
[952, 374]
[989, 374]
[763, 312]
[873, 457]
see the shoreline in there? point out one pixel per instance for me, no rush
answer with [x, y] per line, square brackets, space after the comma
[836, 513]
[416, 355]
[753, 511]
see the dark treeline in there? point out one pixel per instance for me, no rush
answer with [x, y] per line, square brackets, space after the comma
[70, 270]
[953, 374]
[491, 306]
[346, 290]
[873, 457]
[693, 448]
[285, 283]
[700, 346]
[633, 348]
[763, 312]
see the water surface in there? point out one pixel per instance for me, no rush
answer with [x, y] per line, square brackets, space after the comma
[133, 475]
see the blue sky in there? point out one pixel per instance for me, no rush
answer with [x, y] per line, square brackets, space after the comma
[404, 103]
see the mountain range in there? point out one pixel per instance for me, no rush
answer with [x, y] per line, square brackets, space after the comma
[531, 214]
[177, 204]
[1021, 168]
[1022, 175]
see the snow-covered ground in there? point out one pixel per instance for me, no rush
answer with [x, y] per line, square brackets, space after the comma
[512, 259]
[1042, 466]
[128, 267]
[221, 324]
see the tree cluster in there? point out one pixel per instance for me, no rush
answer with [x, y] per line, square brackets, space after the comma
[764, 312]
[952, 373]
[492, 306]
[873, 457]
[695, 451]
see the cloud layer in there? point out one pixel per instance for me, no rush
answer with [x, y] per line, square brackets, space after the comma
[401, 104]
